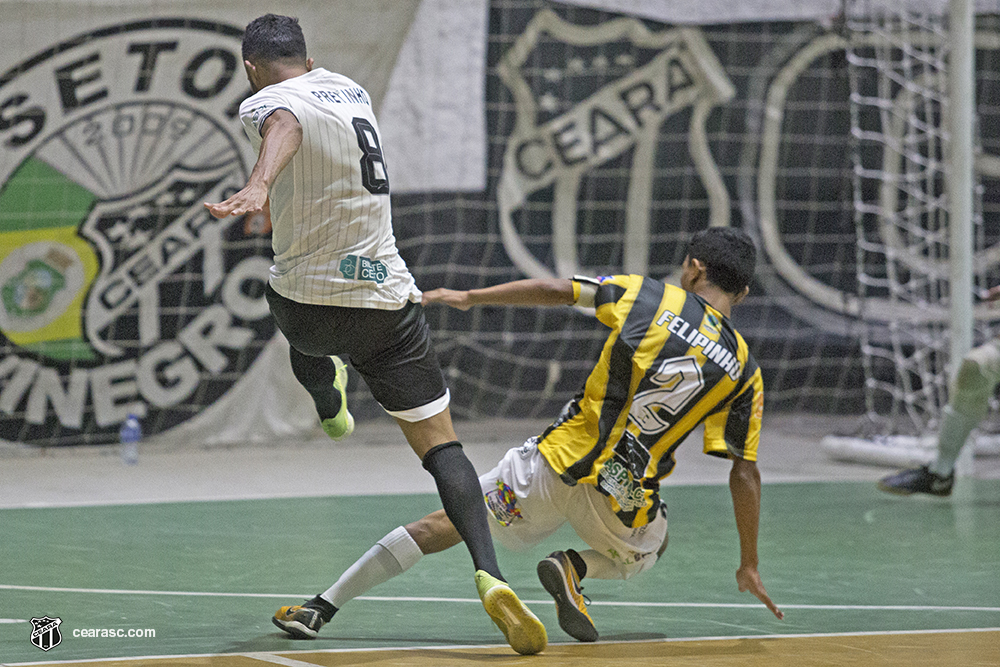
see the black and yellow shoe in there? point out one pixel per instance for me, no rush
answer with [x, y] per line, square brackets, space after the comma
[559, 578]
[298, 621]
[524, 632]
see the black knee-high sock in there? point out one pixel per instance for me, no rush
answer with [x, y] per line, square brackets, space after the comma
[317, 374]
[462, 498]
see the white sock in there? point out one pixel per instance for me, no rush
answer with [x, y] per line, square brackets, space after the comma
[391, 556]
[600, 566]
[955, 430]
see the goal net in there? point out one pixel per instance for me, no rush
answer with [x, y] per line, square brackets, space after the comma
[898, 68]
[691, 165]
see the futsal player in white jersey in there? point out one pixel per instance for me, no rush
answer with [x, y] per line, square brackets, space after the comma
[339, 287]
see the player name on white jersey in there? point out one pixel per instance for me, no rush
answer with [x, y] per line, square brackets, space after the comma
[343, 96]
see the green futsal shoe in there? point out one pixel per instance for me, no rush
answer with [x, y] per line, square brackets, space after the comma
[524, 632]
[342, 425]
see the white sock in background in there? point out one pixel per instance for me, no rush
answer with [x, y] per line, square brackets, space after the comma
[955, 430]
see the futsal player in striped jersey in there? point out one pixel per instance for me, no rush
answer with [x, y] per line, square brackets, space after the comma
[339, 287]
[672, 361]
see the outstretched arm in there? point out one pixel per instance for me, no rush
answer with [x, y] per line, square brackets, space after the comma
[744, 485]
[282, 138]
[530, 292]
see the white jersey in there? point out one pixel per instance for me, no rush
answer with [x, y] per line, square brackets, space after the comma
[330, 214]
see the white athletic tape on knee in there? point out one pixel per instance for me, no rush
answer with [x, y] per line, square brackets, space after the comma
[403, 548]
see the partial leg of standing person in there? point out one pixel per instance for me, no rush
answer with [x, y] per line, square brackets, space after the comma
[974, 383]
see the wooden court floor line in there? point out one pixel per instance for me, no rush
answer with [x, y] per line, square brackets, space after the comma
[945, 648]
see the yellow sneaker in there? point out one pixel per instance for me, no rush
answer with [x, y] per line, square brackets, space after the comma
[524, 632]
[559, 578]
[342, 425]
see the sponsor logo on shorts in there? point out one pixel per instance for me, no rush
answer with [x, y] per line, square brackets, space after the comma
[628, 557]
[502, 504]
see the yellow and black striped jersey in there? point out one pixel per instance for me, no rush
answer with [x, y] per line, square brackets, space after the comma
[670, 363]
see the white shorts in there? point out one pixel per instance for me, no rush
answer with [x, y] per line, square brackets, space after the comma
[529, 502]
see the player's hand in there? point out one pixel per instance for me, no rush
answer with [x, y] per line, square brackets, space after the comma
[991, 294]
[258, 223]
[449, 297]
[250, 199]
[748, 579]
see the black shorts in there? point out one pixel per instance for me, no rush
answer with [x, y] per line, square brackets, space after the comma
[391, 349]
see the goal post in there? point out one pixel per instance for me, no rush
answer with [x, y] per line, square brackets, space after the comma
[913, 108]
[960, 185]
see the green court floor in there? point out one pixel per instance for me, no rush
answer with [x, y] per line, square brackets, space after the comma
[206, 576]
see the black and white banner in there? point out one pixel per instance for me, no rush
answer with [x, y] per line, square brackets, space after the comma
[524, 139]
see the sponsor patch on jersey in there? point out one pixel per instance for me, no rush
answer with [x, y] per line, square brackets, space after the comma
[502, 504]
[256, 114]
[356, 267]
[712, 323]
[615, 480]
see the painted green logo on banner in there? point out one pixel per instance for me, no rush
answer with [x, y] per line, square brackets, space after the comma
[119, 293]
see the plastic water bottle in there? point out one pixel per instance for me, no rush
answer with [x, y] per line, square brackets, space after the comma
[129, 436]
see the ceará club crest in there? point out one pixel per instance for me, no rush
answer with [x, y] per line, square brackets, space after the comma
[119, 293]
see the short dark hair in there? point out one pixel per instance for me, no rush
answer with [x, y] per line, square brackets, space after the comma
[729, 256]
[272, 37]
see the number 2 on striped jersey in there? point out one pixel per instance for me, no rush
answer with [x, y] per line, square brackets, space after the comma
[678, 380]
